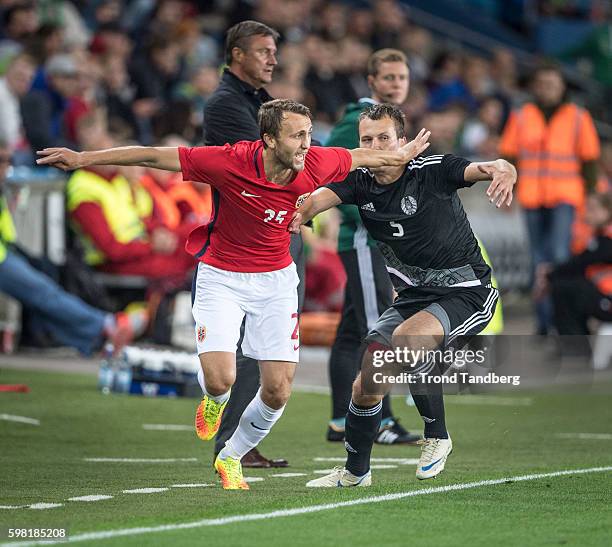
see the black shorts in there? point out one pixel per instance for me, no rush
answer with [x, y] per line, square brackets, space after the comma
[463, 312]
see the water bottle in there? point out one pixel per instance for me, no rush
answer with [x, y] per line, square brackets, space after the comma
[106, 374]
[123, 378]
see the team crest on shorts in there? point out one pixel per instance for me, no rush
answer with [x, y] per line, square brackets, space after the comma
[409, 205]
[301, 200]
[201, 333]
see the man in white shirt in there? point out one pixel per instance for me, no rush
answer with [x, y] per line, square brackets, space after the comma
[14, 85]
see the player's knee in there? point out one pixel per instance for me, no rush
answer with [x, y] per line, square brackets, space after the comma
[218, 386]
[362, 398]
[219, 382]
[276, 394]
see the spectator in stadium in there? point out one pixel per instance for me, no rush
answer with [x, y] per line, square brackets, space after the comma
[555, 147]
[19, 21]
[117, 98]
[447, 87]
[582, 287]
[368, 290]
[43, 110]
[68, 319]
[155, 75]
[480, 134]
[85, 98]
[112, 41]
[330, 89]
[230, 116]
[115, 219]
[390, 21]
[13, 86]
[202, 83]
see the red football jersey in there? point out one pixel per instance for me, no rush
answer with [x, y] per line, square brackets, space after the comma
[248, 230]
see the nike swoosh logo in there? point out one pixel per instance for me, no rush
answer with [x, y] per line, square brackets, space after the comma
[247, 195]
[260, 428]
[426, 468]
[295, 348]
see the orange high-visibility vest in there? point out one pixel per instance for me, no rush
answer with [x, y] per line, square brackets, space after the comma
[168, 200]
[549, 154]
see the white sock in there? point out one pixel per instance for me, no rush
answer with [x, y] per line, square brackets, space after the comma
[217, 398]
[255, 423]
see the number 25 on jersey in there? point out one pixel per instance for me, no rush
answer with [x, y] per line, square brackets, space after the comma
[274, 216]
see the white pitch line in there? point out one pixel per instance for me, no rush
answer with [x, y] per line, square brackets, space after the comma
[254, 479]
[19, 419]
[140, 460]
[193, 485]
[401, 461]
[91, 536]
[92, 497]
[145, 490]
[586, 436]
[288, 475]
[167, 427]
[45, 505]
[12, 506]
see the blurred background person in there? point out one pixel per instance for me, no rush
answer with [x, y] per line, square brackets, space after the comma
[115, 221]
[582, 286]
[44, 109]
[62, 316]
[13, 87]
[555, 146]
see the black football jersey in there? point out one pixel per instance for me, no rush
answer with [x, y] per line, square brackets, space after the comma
[419, 223]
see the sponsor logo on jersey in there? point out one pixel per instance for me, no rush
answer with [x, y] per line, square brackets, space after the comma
[368, 207]
[301, 200]
[201, 333]
[409, 205]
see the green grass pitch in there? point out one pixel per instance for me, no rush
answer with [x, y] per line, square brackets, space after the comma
[46, 464]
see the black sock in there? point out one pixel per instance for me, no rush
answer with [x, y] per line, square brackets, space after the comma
[429, 400]
[343, 369]
[362, 425]
[386, 408]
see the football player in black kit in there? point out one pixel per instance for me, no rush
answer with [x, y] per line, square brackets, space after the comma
[444, 286]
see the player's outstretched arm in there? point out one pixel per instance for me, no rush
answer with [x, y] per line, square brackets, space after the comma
[319, 201]
[366, 157]
[502, 175]
[166, 158]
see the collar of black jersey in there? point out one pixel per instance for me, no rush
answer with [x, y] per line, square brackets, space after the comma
[232, 80]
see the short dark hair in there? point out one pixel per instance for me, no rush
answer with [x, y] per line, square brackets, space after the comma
[386, 55]
[386, 110]
[270, 115]
[239, 34]
[547, 66]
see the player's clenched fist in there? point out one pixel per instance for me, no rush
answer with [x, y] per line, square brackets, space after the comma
[62, 158]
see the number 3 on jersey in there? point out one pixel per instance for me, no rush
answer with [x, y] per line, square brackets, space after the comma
[273, 215]
[398, 227]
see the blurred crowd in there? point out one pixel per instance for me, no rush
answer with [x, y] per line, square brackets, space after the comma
[111, 72]
[149, 67]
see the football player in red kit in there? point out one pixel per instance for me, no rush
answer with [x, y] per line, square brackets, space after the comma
[245, 269]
